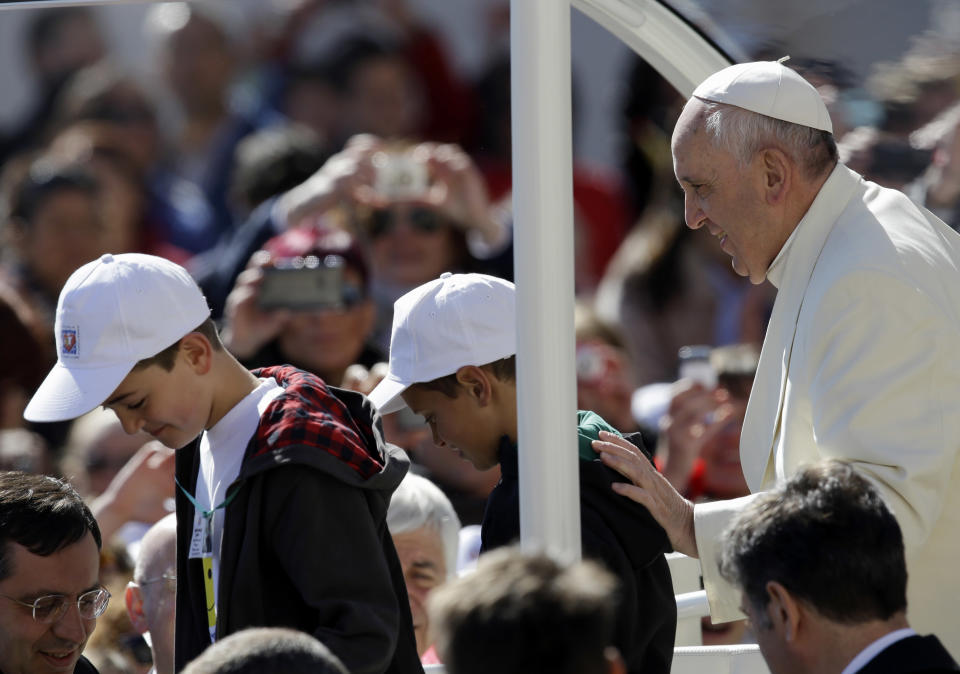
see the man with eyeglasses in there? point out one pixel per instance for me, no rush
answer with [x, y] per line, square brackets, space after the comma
[151, 595]
[50, 595]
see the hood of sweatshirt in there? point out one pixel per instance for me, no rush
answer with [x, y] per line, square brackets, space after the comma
[331, 429]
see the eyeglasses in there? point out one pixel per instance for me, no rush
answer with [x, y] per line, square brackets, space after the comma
[51, 607]
[423, 220]
[166, 576]
[170, 579]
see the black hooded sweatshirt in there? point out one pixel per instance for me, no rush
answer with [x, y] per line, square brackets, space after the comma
[305, 542]
[620, 534]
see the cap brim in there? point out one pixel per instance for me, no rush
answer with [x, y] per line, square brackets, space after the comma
[68, 393]
[386, 396]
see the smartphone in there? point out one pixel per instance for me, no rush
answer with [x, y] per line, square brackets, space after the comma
[694, 363]
[301, 288]
[399, 175]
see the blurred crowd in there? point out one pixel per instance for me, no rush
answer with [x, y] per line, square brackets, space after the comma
[307, 189]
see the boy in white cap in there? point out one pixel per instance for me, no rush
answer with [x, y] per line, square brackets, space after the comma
[283, 482]
[452, 360]
[860, 356]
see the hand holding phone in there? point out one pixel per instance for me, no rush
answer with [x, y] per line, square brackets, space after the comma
[400, 175]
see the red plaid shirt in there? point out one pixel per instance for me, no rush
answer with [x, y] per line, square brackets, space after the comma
[307, 413]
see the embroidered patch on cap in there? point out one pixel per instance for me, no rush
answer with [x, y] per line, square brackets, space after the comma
[69, 344]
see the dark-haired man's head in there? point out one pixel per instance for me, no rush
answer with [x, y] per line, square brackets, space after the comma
[274, 160]
[50, 596]
[520, 613]
[267, 650]
[820, 563]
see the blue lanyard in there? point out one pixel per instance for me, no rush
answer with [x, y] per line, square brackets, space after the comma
[207, 514]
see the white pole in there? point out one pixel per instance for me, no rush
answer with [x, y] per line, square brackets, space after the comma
[543, 267]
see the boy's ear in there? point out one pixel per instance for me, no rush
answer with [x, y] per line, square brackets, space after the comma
[197, 351]
[476, 381]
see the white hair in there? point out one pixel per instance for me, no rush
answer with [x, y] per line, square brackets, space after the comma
[417, 503]
[743, 133]
[157, 549]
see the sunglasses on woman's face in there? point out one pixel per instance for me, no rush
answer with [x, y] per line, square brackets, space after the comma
[423, 220]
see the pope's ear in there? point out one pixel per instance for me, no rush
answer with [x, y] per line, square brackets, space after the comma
[777, 171]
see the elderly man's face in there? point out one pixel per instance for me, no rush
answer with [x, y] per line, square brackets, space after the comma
[722, 196]
[424, 568]
[30, 647]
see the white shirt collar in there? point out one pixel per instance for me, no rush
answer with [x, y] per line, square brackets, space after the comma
[871, 651]
[827, 204]
[776, 268]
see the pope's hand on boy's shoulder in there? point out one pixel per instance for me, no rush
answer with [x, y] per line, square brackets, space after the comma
[650, 489]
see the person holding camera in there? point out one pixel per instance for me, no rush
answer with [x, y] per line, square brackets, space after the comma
[419, 209]
[304, 299]
[428, 213]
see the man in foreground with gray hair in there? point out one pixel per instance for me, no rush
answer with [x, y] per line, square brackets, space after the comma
[819, 561]
[860, 356]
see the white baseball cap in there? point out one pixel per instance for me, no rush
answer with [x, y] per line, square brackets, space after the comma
[452, 321]
[769, 88]
[112, 313]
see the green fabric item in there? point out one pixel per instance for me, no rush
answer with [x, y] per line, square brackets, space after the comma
[589, 425]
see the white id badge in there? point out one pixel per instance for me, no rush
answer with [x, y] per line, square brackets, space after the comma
[201, 540]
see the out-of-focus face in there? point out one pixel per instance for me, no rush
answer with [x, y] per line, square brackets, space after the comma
[107, 455]
[722, 196]
[723, 473]
[65, 233]
[603, 383]
[31, 647]
[459, 424]
[383, 98]
[327, 341]
[166, 405]
[411, 245]
[316, 105]
[424, 568]
[198, 65]
[76, 44]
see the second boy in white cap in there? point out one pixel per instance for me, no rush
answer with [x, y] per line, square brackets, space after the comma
[452, 360]
[860, 356]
